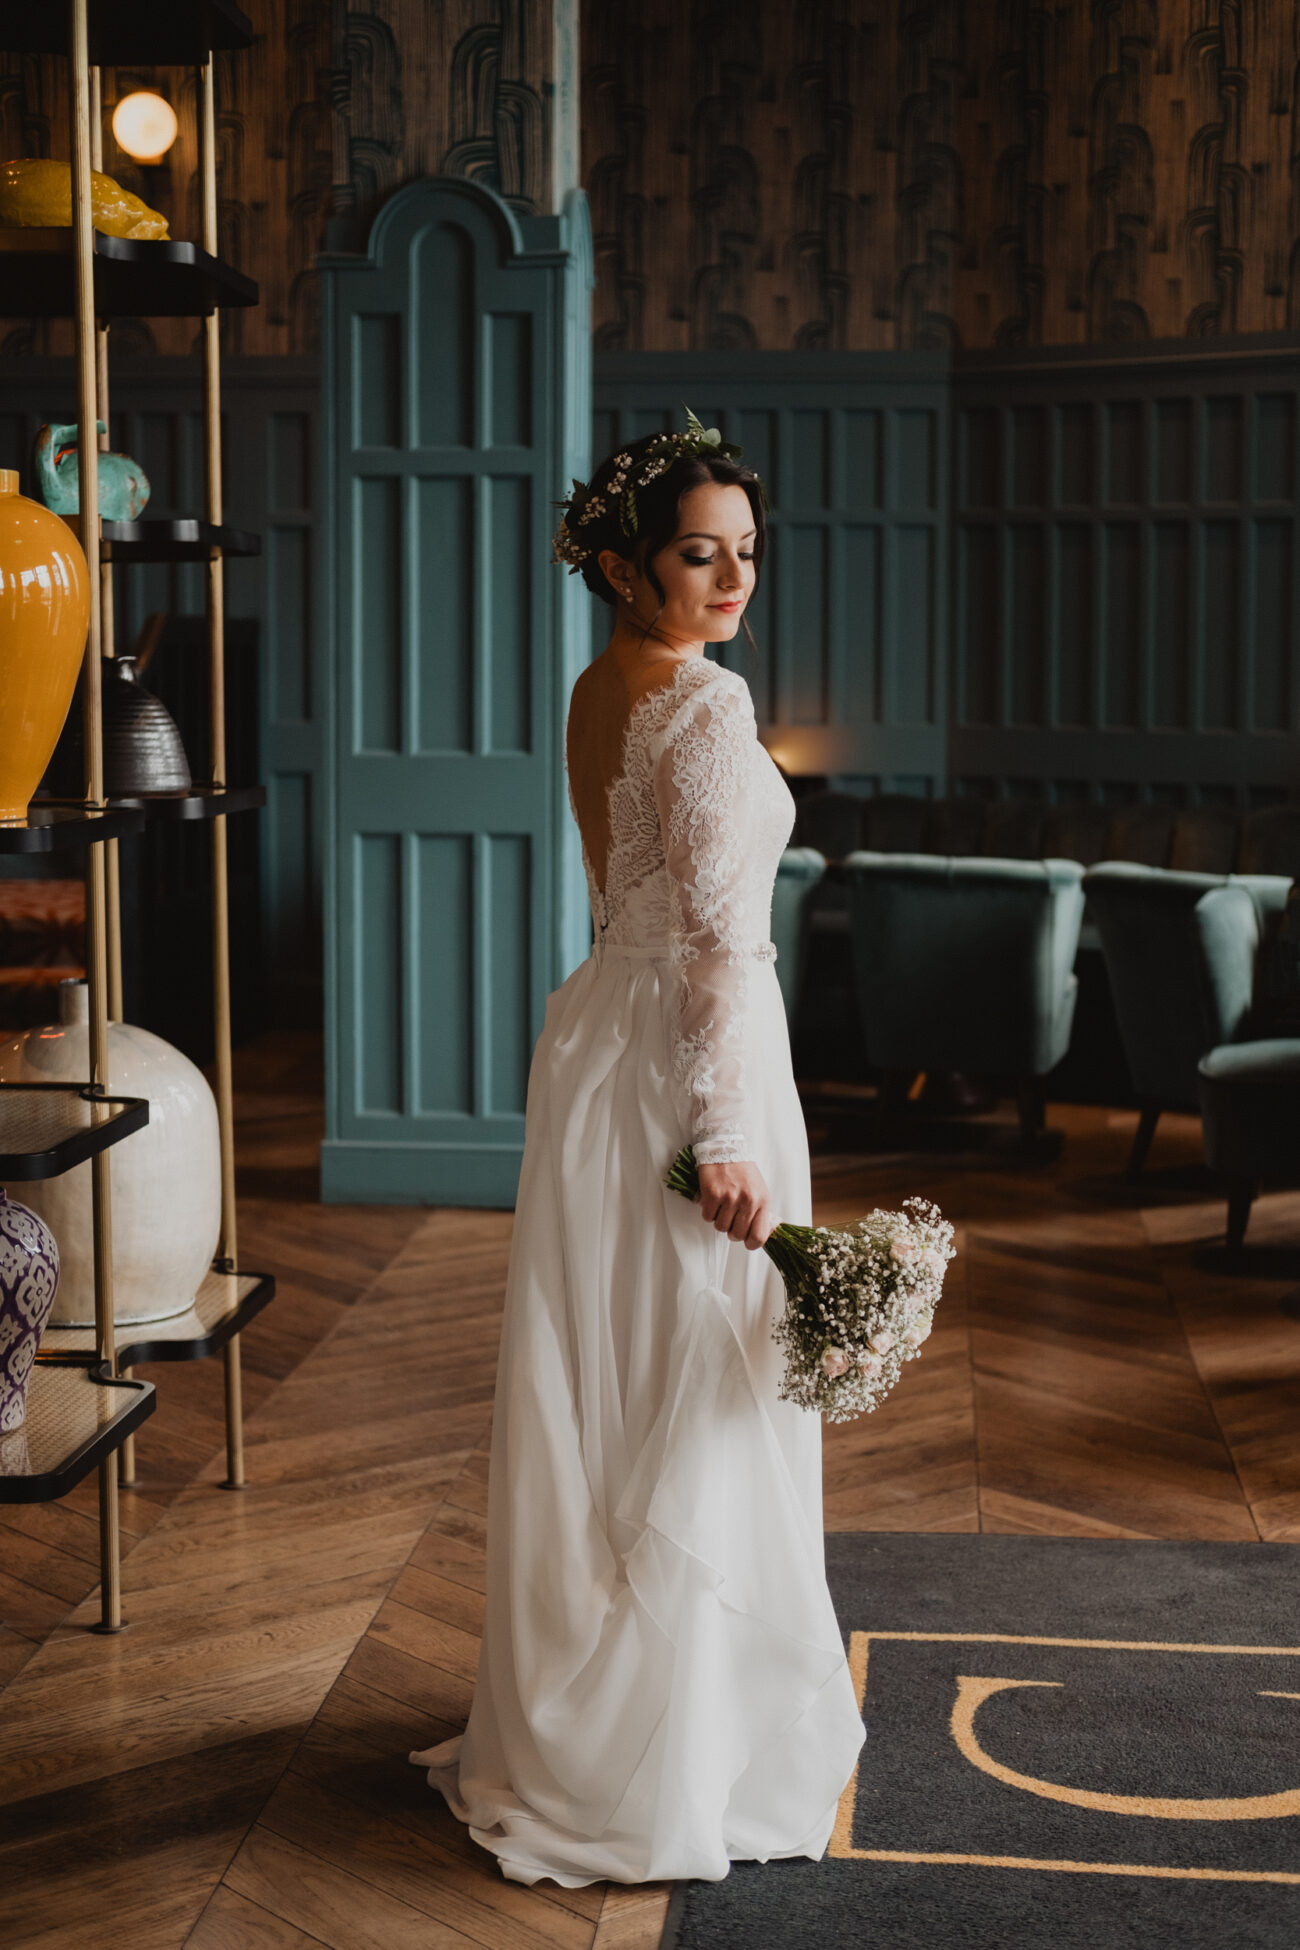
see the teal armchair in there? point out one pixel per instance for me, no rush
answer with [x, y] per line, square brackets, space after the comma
[1181, 979]
[966, 965]
[1249, 1088]
[800, 870]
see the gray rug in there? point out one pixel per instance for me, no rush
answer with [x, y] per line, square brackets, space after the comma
[1071, 1745]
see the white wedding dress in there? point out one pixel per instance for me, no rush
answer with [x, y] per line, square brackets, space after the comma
[663, 1688]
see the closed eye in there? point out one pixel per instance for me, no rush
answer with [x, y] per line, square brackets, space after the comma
[705, 561]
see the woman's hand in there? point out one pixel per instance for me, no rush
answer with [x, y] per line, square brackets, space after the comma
[734, 1199]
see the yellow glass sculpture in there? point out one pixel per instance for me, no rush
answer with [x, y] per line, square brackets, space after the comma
[44, 615]
[37, 193]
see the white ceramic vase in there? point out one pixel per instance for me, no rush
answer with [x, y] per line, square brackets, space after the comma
[166, 1179]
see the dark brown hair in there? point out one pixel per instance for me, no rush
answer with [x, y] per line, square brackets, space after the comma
[658, 506]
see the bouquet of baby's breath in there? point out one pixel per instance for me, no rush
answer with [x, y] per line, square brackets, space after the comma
[858, 1303]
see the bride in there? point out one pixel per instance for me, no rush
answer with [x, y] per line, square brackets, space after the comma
[663, 1688]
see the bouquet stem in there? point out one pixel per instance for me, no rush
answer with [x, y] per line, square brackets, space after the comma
[786, 1244]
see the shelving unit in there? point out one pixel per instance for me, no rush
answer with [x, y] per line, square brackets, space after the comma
[47, 1128]
[54, 824]
[223, 1307]
[78, 1414]
[82, 1379]
[119, 32]
[200, 802]
[79, 1411]
[173, 541]
[128, 815]
[134, 277]
[166, 539]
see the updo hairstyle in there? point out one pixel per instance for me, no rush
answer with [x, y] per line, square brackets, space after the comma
[593, 523]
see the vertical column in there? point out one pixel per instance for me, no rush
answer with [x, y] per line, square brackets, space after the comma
[227, 1250]
[107, 642]
[112, 877]
[96, 968]
[456, 407]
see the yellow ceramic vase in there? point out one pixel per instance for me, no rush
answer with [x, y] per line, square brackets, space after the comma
[44, 616]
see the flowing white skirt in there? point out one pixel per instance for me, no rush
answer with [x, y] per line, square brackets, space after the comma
[663, 1688]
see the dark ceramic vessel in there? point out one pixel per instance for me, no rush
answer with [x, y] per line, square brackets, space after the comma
[143, 751]
[142, 747]
[29, 1279]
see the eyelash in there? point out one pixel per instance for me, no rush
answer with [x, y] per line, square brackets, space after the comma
[703, 561]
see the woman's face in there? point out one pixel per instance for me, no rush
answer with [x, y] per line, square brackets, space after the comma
[707, 570]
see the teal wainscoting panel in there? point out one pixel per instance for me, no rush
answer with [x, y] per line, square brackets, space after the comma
[1125, 552]
[445, 908]
[378, 608]
[850, 675]
[456, 408]
[378, 989]
[443, 607]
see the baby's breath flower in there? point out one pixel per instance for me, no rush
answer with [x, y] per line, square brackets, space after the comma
[565, 547]
[859, 1303]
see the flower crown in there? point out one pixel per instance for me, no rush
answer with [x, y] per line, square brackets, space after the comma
[584, 505]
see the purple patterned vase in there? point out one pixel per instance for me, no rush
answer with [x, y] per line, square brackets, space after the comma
[29, 1279]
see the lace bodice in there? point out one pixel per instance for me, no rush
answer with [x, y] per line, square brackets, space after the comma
[698, 818]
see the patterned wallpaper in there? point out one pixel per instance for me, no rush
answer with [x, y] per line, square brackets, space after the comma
[329, 111]
[1130, 170]
[742, 172]
[855, 173]
[777, 174]
[774, 176]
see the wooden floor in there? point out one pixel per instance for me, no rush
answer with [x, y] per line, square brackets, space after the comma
[229, 1773]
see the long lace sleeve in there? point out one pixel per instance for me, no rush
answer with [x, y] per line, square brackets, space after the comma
[703, 786]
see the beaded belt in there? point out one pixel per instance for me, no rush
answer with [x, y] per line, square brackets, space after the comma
[661, 950]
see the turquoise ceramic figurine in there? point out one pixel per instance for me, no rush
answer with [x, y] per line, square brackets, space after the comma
[123, 484]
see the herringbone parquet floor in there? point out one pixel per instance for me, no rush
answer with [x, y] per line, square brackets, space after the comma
[229, 1773]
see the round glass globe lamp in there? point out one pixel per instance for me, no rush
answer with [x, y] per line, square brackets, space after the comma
[144, 125]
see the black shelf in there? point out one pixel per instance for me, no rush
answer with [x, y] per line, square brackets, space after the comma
[181, 540]
[223, 1307]
[163, 32]
[47, 1128]
[200, 802]
[135, 277]
[52, 824]
[77, 1414]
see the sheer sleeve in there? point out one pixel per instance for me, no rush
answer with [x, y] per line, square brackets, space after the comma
[703, 785]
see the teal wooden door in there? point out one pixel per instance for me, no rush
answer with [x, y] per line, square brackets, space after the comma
[457, 399]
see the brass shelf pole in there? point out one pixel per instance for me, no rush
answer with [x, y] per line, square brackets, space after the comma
[96, 916]
[107, 614]
[108, 648]
[227, 1251]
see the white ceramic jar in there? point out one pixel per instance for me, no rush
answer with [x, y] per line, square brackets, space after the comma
[166, 1179]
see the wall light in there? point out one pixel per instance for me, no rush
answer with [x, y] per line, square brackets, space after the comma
[144, 125]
